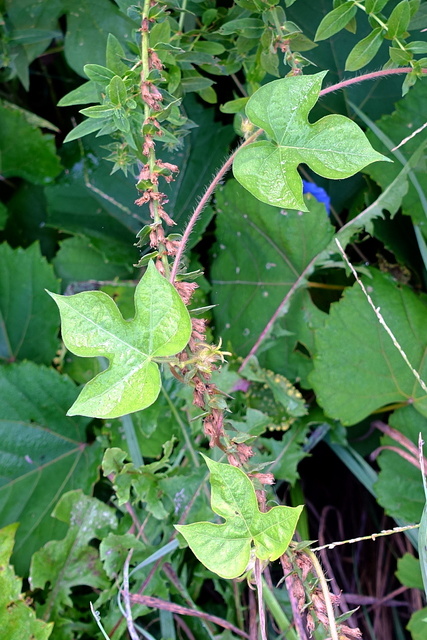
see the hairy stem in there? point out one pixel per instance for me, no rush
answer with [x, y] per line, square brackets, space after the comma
[327, 596]
[227, 165]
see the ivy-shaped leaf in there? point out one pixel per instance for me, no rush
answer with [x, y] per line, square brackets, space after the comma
[225, 548]
[334, 146]
[92, 325]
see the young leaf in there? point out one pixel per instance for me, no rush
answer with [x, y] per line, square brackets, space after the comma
[92, 325]
[84, 94]
[84, 129]
[399, 20]
[364, 50]
[334, 146]
[117, 91]
[335, 20]
[98, 73]
[226, 548]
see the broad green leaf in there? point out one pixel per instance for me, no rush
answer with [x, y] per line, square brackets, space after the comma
[72, 562]
[365, 50]
[226, 548]
[261, 252]
[378, 375]
[78, 260]
[84, 94]
[409, 572]
[93, 326]
[334, 146]
[42, 453]
[24, 151]
[88, 27]
[17, 618]
[408, 116]
[399, 488]
[399, 20]
[28, 323]
[335, 20]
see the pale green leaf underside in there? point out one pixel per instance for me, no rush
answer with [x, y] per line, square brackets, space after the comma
[334, 146]
[92, 325]
[226, 548]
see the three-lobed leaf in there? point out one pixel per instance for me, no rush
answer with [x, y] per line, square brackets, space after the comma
[226, 548]
[333, 147]
[92, 325]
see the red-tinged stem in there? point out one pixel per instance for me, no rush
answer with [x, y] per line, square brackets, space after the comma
[368, 76]
[227, 165]
[203, 202]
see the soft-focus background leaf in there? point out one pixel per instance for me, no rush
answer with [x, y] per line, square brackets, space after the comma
[261, 251]
[29, 323]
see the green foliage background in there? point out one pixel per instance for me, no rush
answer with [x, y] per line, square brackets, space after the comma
[68, 224]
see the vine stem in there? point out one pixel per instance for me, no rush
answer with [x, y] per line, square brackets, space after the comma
[203, 202]
[228, 163]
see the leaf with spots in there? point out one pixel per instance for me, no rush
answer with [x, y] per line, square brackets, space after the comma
[261, 253]
[92, 325]
[72, 561]
[226, 548]
[333, 147]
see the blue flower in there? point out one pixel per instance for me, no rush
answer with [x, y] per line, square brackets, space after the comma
[318, 192]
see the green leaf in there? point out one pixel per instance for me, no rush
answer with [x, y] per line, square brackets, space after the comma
[260, 254]
[42, 454]
[364, 51]
[117, 91]
[88, 27]
[234, 106]
[417, 625]
[93, 326]
[114, 549]
[28, 326]
[84, 129]
[335, 20]
[114, 55]
[86, 93]
[72, 562]
[98, 73]
[399, 19]
[195, 83]
[375, 6]
[409, 572]
[78, 260]
[334, 147]
[247, 27]
[17, 618]
[98, 111]
[226, 548]
[378, 375]
[24, 151]
[408, 116]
